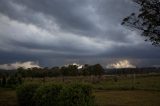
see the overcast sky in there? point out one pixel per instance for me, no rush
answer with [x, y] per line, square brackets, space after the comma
[58, 32]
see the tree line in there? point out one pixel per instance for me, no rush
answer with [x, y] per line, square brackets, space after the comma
[70, 70]
[122, 71]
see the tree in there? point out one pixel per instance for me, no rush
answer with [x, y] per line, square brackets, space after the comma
[4, 81]
[98, 70]
[146, 20]
[21, 71]
[73, 70]
[63, 72]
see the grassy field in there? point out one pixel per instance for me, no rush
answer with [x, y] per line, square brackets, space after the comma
[125, 83]
[128, 98]
[143, 91]
[8, 97]
[103, 98]
[140, 82]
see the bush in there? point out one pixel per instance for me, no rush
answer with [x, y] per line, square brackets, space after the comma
[48, 95]
[12, 80]
[25, 94]
[77, 95]
[55, 95]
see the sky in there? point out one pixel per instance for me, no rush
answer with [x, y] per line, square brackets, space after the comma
[56, 32]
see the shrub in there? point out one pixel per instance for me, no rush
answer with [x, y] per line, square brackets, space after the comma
[48, 95]
[77, 95]
[12, 80]
[19, 78]
[25, 94]
[55, 95]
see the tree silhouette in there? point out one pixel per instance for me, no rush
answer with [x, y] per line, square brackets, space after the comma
[4, 80]
[146, 20]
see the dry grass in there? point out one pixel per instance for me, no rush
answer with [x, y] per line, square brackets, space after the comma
[8, 97]
[127, 98]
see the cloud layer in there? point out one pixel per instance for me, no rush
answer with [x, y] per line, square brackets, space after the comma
[55, 31]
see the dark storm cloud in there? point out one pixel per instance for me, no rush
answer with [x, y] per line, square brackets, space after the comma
[55, 31]
[69, 14]
[78, 16]
[141, 52]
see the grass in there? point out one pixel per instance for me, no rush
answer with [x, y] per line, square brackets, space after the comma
[103, 98]
[127, 98]
[140, 83]
[8, 97]
[107, 92]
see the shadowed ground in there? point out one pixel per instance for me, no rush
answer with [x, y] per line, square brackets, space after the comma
[107, 92]
[128, 98]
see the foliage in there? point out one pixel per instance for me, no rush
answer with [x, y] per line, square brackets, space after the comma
[25, 94]
[47, 95]
[55, 95]
[14, 80]
[77, 95]
[147, 20]
[4, 81]
[70, 70]
[96, 70]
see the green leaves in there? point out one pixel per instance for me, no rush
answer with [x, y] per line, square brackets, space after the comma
[55, 95]
[147, 20]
